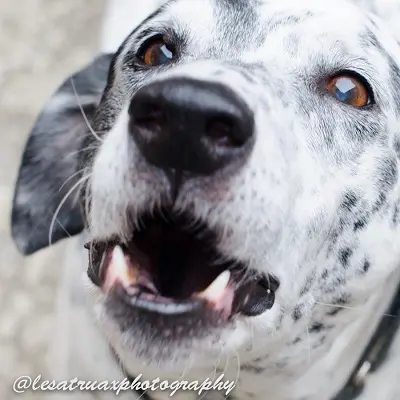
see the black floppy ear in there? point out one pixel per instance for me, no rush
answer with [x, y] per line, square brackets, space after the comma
[48, 170]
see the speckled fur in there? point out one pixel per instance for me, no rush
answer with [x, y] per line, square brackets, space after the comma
[316, 204]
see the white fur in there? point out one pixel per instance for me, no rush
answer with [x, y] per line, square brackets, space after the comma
[313, 375]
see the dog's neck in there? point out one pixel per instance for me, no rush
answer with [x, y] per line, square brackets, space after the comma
[327, 376]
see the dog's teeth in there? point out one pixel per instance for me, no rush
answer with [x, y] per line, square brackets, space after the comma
[118, 271]
[216, 289]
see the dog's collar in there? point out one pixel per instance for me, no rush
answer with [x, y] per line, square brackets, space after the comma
[372, 358]
[375, 353]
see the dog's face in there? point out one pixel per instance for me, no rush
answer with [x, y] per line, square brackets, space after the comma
[250, 147]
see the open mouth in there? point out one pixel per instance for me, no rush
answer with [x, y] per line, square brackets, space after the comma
[172, 269]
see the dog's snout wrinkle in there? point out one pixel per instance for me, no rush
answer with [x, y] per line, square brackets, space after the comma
[190, 126]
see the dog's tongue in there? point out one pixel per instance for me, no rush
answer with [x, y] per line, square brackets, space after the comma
[121, 270]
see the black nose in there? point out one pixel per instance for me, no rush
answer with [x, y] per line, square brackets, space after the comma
[190, 126]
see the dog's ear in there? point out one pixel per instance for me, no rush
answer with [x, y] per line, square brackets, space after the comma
[49, 171]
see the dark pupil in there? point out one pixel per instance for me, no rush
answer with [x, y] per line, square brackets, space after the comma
[344, 89]
[163, 55]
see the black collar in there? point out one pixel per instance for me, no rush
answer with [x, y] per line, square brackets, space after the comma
[372, 358]
[375, 353]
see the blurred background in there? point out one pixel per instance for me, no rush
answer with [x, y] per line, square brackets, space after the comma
[41, 43]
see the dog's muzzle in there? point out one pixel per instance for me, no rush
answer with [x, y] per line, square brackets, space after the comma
[170, 274]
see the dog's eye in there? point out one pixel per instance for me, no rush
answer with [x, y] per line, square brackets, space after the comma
[157, 52]
[349, 89]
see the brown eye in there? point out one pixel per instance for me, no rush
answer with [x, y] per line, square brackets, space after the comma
[350, 90]
[157, 52]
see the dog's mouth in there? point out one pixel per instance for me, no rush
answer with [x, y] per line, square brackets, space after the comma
[171, 269]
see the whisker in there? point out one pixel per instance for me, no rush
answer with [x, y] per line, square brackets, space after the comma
[83, 112]
[217, 365]
[239, 368]
[87, 199]
[71, 177]
[213, 374]
[226, 365]
[63, 228]
[187, 368]
[352, 308]
[74, 153]
[62, 202]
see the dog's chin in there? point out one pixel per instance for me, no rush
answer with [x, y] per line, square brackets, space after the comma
[137, 353]
[169, 291]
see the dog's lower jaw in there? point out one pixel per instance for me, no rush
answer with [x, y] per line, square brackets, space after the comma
[317, 379]
[83, 357]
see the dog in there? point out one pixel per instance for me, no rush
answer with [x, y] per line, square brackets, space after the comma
[232, 170]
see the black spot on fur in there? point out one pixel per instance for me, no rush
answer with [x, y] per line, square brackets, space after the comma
[395, 218]
[369, 39]
[388, 173]
[320, 342]
[297, 313]
[325, 274]
[342, 300]
[350, 200]
[366, 266]
[335, 311]
[252, 368]
[350, 204]
[360, 223]
[335, 283]
[344, 256]
[297, 340]
[307, 286]
[380, 202]
[316, 327]
[396, 144]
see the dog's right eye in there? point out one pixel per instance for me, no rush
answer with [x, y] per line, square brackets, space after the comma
[157, 51]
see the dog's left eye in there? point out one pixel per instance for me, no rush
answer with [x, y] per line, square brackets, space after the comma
[156, 52]
[349, 89]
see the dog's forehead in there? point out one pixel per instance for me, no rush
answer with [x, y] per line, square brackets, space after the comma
[224, 18]
[231, 28]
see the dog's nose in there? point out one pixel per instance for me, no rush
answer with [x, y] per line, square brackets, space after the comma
[190, 126]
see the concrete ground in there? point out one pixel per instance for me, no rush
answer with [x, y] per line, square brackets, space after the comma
[41, 43]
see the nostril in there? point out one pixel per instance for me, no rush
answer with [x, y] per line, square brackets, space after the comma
[149, 113]
[225, 132]
[149, 118]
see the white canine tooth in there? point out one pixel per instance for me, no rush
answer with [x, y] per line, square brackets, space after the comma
[118, 270]
[118, 262]
[215, 290]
